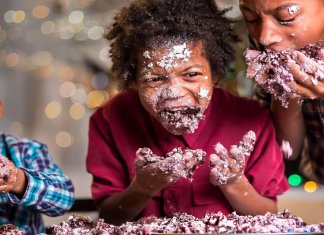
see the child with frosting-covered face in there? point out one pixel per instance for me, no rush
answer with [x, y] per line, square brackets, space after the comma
[292, 33]
[175, 85]
[172, 141]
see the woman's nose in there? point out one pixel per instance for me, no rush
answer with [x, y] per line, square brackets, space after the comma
[269, 35]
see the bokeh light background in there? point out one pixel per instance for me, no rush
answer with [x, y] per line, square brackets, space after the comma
[54, 72]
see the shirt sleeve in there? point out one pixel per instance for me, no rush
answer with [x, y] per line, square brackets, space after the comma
[48, 190]
[265, 167]
[108, 168]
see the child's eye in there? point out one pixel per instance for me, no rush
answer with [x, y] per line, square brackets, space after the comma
[192, 74]
[153, 79]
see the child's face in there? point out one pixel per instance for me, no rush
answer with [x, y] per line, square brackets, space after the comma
[175, 85]
[284, 24]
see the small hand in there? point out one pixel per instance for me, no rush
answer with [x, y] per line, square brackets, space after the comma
[154, 172]
[8, 175]
[309, 76]
[227, 166]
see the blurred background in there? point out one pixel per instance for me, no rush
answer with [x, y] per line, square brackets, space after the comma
[54, 73]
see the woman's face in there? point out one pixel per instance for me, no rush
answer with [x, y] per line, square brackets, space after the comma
[175, 85]
[284, 24]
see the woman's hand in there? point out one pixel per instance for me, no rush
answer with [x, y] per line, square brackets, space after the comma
[308, 74]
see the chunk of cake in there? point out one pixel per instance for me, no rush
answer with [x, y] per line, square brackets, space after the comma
[10, 229]
[181, 163]
[211, 223]
[271, 71]
[4, 169]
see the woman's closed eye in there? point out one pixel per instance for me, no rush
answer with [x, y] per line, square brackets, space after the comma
[286, 22]
[286, 15]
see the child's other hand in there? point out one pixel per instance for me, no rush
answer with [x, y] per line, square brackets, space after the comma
[308, 74]
[8, 175]
[228, 166]
[225, 168]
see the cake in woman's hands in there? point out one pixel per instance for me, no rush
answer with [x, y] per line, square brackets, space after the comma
[283, 222]
[177, 162]
[271, 71]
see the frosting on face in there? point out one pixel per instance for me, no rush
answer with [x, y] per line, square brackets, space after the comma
[293, 9]
[175, 53]
[175, 85]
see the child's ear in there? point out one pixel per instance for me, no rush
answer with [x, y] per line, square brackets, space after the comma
[1, 108]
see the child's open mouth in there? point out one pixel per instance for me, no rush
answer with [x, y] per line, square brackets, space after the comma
[181, 117]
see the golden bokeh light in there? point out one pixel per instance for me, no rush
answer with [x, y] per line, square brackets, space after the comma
[96, 98]
[66, 73]
[12, 60]
[53, 109]
[40, 11]
[64, 139]
[20, 16]
[77, 111]
[67, 89]
[310, 186]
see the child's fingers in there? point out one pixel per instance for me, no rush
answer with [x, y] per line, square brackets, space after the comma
[221, 151]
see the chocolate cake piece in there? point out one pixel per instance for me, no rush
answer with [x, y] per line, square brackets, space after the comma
[4, 169]
[10, 229]
[177, 162]
[271, 71]
[211, 223]
[75, 224]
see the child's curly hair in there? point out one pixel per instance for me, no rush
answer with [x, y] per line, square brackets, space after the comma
[144, 21]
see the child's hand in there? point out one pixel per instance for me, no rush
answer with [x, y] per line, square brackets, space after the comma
[149, 178]
[8, 175]
[227, 166]
[308, 74]
[154, 172]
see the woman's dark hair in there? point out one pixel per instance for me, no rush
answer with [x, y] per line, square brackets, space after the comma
[143, 21]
